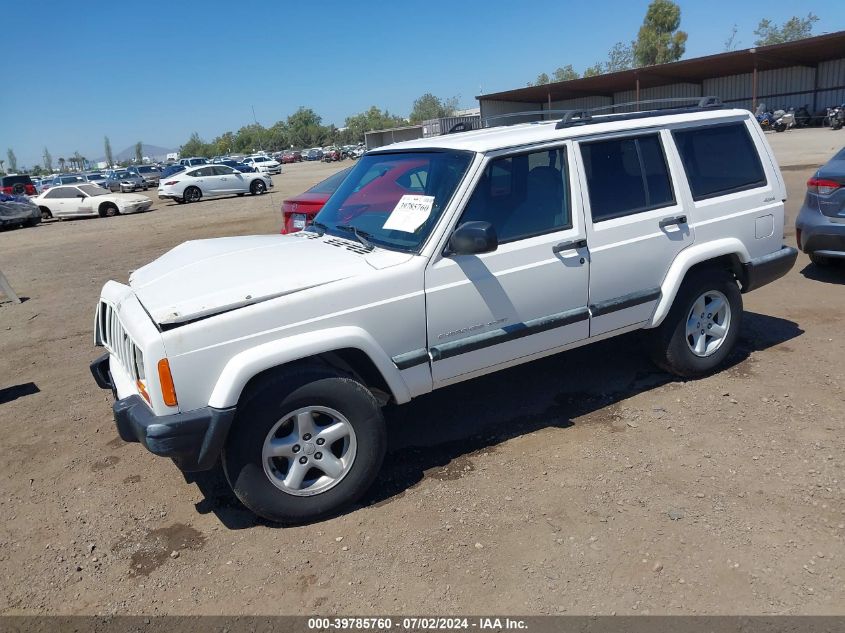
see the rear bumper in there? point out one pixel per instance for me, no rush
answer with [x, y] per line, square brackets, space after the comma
[193, 440]
[766, 269]
[820, 234]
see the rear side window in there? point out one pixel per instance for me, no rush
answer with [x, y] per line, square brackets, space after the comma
[626, 176]
[719, 160]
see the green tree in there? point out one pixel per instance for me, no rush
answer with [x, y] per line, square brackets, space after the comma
[429, 106]
[195, 147]
[61, 164]
[542, 80]
[794, 28]
[13, 160]
[731, 42]
[139, 152]
[595, 69]
[620, 57]
[109, 157]
[373, 119]
[48, 161]
[565, 73]
[250, 138]
[659, 41]
[36, 170]
[77, 160]
[306, 129]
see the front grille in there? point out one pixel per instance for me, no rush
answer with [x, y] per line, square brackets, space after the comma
[112, 335]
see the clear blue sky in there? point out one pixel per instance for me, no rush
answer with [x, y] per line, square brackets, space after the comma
[152, 71]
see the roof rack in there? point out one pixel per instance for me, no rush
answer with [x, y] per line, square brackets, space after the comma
[524, 113]
[584, 117]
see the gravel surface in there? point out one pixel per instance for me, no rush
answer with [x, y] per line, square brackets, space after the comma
[589, 482]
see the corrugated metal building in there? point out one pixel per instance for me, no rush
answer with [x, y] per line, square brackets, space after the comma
[805, 72]
[430, 127]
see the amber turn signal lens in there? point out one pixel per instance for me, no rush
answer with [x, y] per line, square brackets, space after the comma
[168, 391]
[142, 390]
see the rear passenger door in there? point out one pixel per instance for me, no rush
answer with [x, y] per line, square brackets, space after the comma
[636, 224]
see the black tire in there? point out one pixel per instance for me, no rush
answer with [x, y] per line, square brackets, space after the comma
[257, 187]
[45, 213]
[821, 261]
[108, 210]
[240, 195]
[668, 344]
[192, 194]
[33, 221]
[273, 399]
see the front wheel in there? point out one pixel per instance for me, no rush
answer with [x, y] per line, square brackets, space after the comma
[257, 187]
[305, 444]
[702, 326]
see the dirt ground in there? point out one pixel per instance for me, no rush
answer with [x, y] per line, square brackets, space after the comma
[589, 482]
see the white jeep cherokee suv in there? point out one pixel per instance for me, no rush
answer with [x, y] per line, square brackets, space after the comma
[436, 261]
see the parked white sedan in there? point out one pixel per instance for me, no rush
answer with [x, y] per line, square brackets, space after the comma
[210, 181]
[264, 163]
[88, 199]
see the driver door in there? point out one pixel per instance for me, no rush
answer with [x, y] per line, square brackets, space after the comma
[526, 298]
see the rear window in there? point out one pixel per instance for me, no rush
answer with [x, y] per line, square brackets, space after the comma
[719, 160]
[11, 181]
[146, 169]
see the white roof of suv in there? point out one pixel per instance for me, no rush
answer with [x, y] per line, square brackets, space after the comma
[502, 137]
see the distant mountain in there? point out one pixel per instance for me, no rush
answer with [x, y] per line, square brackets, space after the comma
[153, 152]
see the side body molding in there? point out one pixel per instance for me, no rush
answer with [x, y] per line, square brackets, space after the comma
[242, 367]
[685, 260]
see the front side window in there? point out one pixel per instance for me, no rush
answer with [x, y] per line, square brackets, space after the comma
[523, 195]
[719, 159]
[394, 200]
[222, 170]
[93, 190]
[626, 176]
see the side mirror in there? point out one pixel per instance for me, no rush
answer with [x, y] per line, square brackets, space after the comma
[473, 238]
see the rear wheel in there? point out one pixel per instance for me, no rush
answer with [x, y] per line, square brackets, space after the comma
[192, 194]
[257, 187]
[702, 326]
[305, 443]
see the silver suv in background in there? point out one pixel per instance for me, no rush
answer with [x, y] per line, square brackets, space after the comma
[150, 174]
[124, 181]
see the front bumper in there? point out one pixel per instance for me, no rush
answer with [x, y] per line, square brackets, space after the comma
[193, 440]
[766, 269]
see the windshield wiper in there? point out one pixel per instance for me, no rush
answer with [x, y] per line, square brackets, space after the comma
[321, 228]
[361, 236]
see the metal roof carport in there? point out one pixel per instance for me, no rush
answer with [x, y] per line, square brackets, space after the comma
[809, 71]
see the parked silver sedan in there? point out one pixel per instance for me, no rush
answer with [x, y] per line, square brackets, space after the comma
[124, 181]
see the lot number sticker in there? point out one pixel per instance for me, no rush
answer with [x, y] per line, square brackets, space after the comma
[410, 213]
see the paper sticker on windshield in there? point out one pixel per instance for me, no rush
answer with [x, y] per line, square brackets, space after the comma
[410, 213]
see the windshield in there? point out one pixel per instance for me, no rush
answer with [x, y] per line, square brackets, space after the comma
[93, 190]
[122, 174]
[395, 200]
[146, 169]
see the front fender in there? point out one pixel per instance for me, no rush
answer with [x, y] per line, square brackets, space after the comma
[242, 367]
[685, 260]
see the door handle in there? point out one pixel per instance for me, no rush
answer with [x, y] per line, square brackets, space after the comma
[568, 246]
[679, 219]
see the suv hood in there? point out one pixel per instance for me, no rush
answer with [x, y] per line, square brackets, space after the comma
[206, 277]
